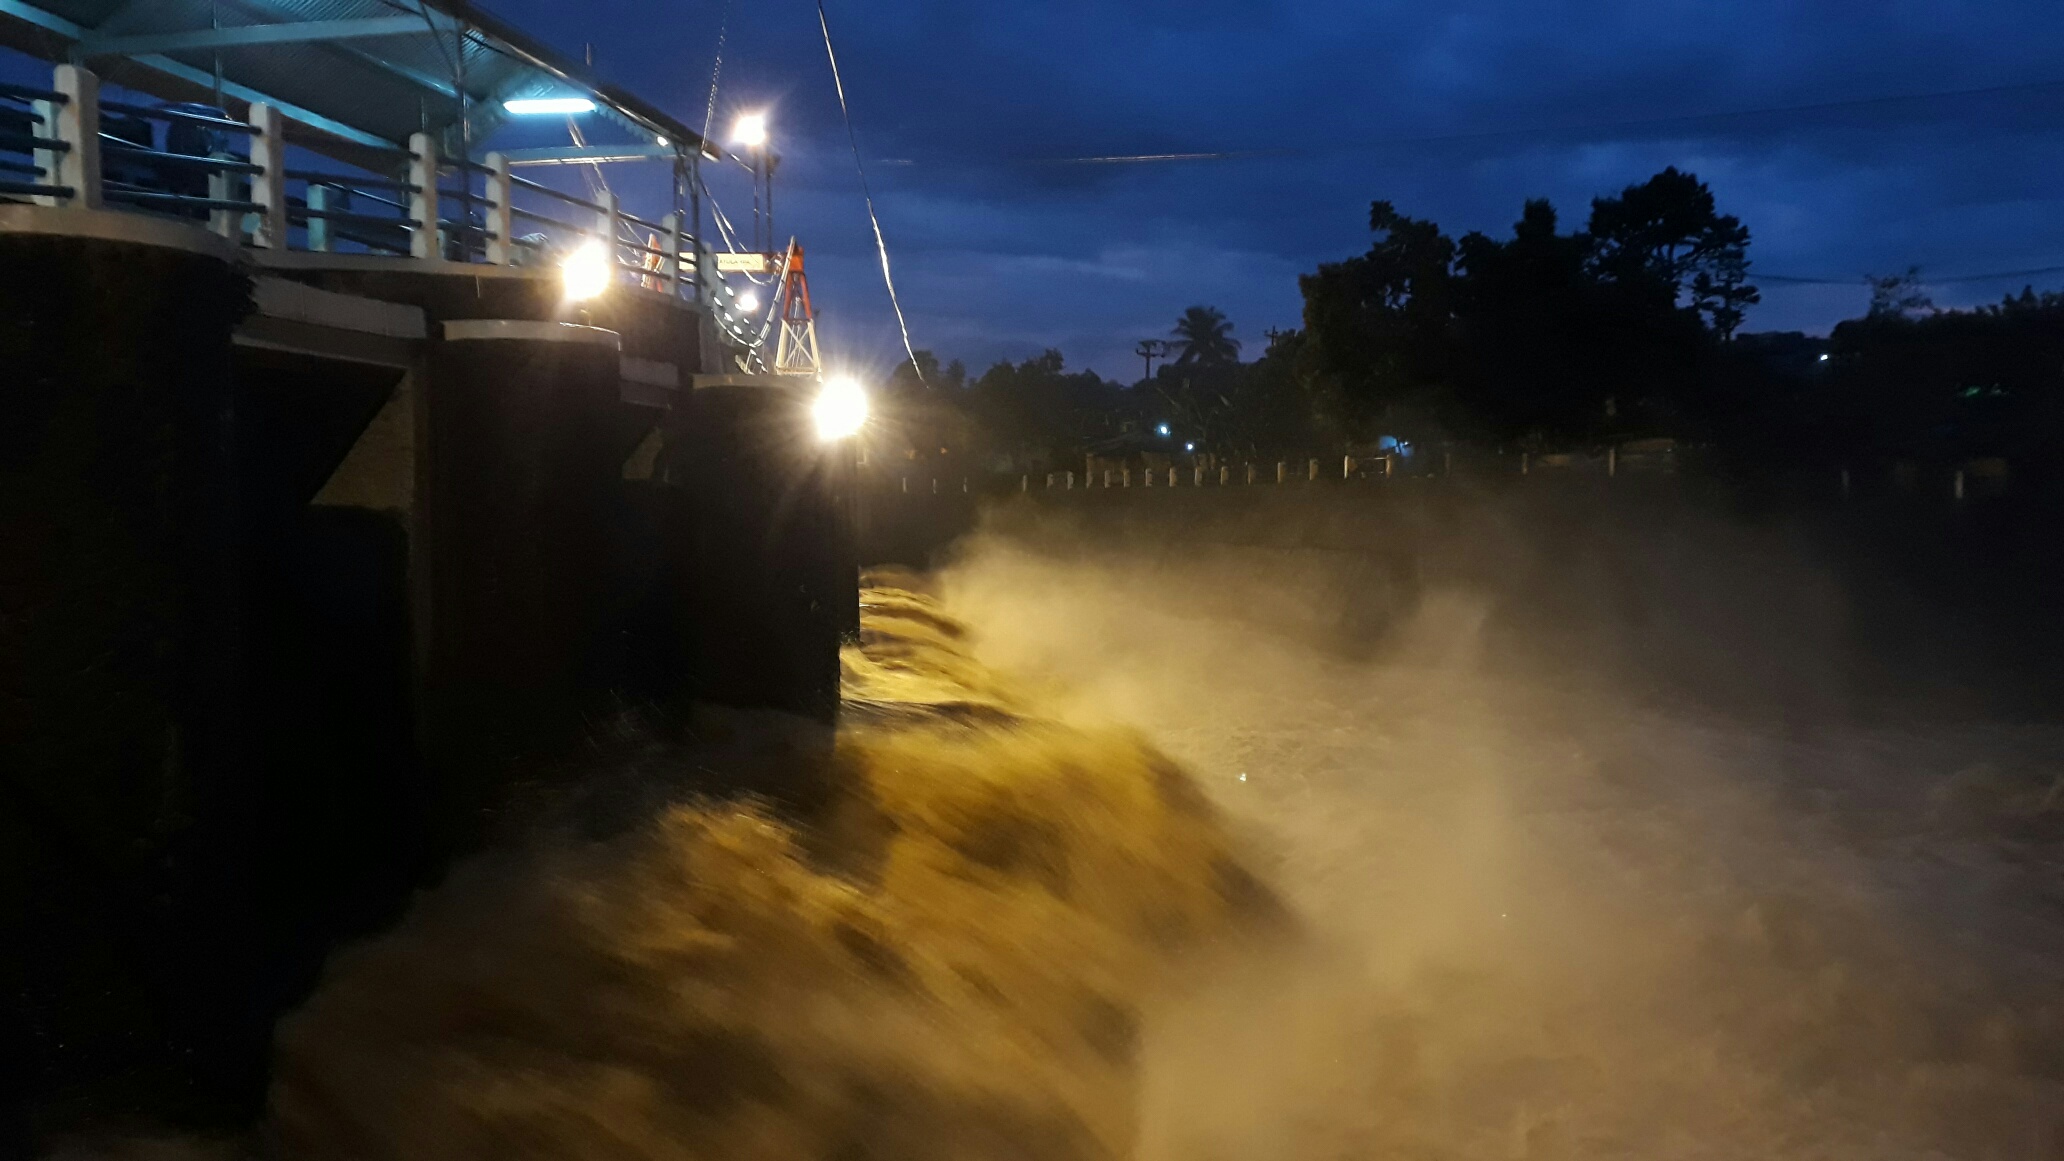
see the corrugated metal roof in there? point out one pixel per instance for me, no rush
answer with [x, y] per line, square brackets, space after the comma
[359, 89]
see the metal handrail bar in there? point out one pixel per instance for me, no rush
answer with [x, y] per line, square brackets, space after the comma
[635, 220]
[112, 144]
[548, 191]
[20, 167]
[347, 181]
[28, 141]
[25, 93]
[178, 115]
[533, 215]
[351, 217]
[126, 193]
[32, 189]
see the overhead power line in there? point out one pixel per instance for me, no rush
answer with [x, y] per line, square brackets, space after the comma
[1579, 128]
[1995, 276]
[881, 246]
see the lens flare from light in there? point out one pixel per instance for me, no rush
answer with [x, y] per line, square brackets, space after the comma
[840, 409]
[750, 131]
[748, 302]
[586, 272]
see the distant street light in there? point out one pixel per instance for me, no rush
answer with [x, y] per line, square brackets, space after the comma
[750, 130]
[1163, 429]
[840, 409]
[587, 271]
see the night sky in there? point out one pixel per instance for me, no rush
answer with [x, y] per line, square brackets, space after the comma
[1455, 111]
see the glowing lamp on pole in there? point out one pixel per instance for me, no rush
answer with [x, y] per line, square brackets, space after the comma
[840, 409]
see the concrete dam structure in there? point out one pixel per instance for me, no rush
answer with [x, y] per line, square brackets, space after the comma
[318, 534]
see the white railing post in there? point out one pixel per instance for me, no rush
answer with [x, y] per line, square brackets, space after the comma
[670, 266]
[226, 223]
[269, 185]
[319, 204]
[75, 121]
[608, 224]
[422, 174]
[501, 212]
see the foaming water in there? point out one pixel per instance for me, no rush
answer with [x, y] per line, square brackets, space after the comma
[952, 960]
[1550, 912]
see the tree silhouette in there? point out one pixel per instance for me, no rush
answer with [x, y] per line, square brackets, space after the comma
[1204, 337]
[1899, 295]
[1668, 232]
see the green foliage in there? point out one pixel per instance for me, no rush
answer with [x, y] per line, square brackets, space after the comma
[1204, 337]
[1949, 383]
[1039, 408]
[1667, 237]
[1381, 324]
[1543, 336]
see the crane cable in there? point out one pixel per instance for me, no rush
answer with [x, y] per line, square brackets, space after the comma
[881, 246]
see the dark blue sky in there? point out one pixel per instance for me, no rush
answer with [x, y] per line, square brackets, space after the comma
[999, 254]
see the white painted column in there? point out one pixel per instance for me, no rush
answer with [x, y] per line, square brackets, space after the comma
[501, 212]
[676, 238]
[422, 174]
[269, 187]
[76, 122]
[319, 201]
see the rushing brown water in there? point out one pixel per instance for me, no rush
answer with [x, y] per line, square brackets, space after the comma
[951, 960]
[1544, 879]
[1554, 913]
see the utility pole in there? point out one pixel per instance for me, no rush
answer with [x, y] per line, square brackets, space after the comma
[1150, 350]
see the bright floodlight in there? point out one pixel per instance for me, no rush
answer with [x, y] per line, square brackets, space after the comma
[840, 409]
[750, 131]
[587, 271]
[748, 302]
[1163, 429]
[547, 106]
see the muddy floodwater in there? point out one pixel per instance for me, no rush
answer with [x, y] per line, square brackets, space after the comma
[1590, 861]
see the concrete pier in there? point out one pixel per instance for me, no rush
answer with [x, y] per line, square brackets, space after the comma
[122, 789]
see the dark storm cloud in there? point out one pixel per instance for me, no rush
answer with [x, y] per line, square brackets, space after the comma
[1455, 111]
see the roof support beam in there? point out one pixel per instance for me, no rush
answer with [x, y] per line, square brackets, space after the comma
[254, 34]
[249, 95]
[51, 22]
[590, 154]
[425, 23]
[48, 21]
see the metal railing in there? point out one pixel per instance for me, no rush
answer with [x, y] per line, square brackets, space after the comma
[65, 146]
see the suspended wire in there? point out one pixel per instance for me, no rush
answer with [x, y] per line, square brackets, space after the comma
[728, 233]
[709, 115]
[1995, 276]
[1373, 143]
[880, 245]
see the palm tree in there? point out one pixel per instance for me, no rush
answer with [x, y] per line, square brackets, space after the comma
[1204, 336]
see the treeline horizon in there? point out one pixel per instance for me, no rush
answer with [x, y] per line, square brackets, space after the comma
[1628, 328]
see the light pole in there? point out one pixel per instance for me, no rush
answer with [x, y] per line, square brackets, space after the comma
[750, 132]
[1150, 350]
